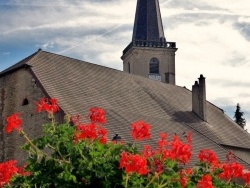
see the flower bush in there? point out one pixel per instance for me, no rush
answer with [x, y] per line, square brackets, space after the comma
[78, 155]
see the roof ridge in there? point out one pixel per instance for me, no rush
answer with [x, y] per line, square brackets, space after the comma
[54, 53]
[20, 64]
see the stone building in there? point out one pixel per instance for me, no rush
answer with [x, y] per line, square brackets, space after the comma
[144, 90]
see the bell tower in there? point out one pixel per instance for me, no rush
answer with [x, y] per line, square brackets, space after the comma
[149, 54]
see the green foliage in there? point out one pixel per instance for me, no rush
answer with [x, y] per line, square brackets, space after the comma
[238, 115]
[73, 156]
[55, 160]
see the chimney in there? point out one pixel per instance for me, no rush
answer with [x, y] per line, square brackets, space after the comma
[199, 98]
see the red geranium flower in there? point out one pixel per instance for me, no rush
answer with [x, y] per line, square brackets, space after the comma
[13, 122]
[90, 131]
[148, 151]
[205, 181]
[184, 173]
[246, 177]
[162, 142]
[140, 130]
[53, 106]
[179, 151]
[45, 106]
[233, 170]
[158, 166]
[7, 170]
[133, 163]
[208, 156]
[97, 115]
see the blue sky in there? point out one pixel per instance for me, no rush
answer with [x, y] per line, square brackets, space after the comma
[212, 36]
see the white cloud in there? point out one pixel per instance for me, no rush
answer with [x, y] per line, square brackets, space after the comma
[239, 7]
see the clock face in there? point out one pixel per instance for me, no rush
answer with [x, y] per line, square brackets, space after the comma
[155, 77]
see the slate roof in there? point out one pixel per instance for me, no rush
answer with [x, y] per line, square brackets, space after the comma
[148, 24]
[126, 98]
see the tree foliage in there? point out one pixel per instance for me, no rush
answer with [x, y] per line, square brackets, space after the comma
[239, 117]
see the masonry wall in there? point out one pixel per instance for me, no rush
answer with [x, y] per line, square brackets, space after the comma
[139, 59]
[18, 92]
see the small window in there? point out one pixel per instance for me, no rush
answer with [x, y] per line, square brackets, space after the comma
[25, 102]
[128, 67]
[154, 66]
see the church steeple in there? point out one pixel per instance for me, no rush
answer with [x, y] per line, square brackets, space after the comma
[149, 54]
[148, 23]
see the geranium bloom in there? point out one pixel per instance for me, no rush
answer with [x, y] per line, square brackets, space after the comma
[97, 115]
[90, 131]
[184, 176]
[13, 122]
[158, 166]
[148, 151]
[180, 151]
[208, 156]
[140, 130]
[86, 131]
[133, 163]
[103, 140]
[233, 170]
[54, 107]
[205, 182]
[162, 142]
[7, 170]
[45, 106]
[246, 177]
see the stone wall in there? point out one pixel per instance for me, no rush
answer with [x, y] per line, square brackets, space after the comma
[19, 90]
[139, 59]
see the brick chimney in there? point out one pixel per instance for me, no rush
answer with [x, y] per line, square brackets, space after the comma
[199, 98]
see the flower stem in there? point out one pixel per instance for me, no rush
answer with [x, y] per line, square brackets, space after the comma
[37, 150]
[151, 181]
[126, 183]
[22, 133]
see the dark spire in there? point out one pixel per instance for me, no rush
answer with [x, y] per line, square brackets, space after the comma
[148, 29]
[148, 23]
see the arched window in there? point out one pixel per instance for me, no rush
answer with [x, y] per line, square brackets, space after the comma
[154, 66]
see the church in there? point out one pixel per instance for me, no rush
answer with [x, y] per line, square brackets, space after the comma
[144, 90]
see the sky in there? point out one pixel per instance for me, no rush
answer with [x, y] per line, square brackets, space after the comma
[212, 37]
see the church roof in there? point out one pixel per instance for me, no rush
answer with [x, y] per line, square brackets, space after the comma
[148, 24]
[126, 98]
